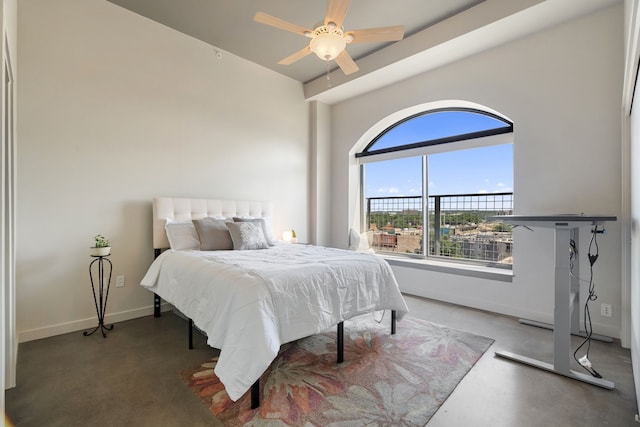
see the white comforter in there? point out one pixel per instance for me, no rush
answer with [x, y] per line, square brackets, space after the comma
[251, 302]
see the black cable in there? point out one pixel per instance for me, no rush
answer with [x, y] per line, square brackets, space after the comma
[573, 254]
[591, 296]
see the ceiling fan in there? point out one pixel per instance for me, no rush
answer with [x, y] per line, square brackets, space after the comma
[329, 41]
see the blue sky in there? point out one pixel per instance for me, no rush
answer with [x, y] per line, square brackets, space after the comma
[478, 170]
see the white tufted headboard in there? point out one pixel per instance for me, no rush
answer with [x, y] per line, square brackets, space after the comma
[183, 209]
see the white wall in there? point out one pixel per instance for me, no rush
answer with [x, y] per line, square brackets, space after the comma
[9, 347]
[562, 89]
[631, 147]
[320, 174]
[635, 242]
[114, 110]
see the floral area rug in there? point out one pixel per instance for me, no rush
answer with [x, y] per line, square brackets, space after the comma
[385, 380]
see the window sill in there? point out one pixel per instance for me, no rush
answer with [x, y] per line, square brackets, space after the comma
[478, 271]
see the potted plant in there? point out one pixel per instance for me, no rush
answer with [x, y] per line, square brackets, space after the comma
[102, 246]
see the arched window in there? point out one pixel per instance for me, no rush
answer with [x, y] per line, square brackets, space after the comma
[456, 164]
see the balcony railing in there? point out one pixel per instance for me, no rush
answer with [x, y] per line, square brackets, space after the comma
[456, 226]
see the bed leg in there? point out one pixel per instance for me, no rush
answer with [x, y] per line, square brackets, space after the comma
[255, 394]
[156, 298]
[190, 334]
[156, 305]
[393, 322]
[340, 342]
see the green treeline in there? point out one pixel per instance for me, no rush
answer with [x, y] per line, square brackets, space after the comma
[413, 219]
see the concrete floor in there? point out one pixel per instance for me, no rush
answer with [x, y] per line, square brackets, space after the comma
[131, 378]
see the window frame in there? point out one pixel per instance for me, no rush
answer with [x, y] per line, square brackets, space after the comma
[485, 138]
[437, 141]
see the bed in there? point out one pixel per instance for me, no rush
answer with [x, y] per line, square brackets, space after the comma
[249, 302]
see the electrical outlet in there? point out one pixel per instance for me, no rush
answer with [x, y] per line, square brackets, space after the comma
[119, 281]
[605, 310]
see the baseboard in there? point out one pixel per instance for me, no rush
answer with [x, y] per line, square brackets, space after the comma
[79, 325]
[507, 310]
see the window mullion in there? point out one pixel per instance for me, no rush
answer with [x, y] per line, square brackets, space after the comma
[425, 208]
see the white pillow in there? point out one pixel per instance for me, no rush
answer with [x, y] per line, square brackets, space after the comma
[182, 236]
[247, 235]
[268, 231]
[359, 242]
[364, 243]
[354, 239]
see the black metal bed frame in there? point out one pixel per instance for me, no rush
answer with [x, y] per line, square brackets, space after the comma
[255, 388]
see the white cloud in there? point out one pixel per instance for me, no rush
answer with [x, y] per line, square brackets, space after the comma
[504, 190]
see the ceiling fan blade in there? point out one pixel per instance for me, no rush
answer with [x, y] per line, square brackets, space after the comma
[336, 11]
[346, 63]
[295, 56]
[382, 34]
[266, 19]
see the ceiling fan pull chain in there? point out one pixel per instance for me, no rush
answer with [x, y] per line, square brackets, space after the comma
[328, 77]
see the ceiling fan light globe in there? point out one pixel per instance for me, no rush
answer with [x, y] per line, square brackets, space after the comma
[327, 46]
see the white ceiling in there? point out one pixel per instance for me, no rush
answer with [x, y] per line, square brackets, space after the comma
[229, 25]
[436, 32]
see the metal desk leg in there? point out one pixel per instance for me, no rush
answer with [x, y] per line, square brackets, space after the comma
[562, 320]
[575, 300]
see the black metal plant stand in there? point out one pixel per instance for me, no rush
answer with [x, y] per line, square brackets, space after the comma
[100, 300]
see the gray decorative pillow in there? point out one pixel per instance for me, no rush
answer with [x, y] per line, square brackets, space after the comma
[214, 234]
[247, 235]
[182, 236]
[264, 223]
